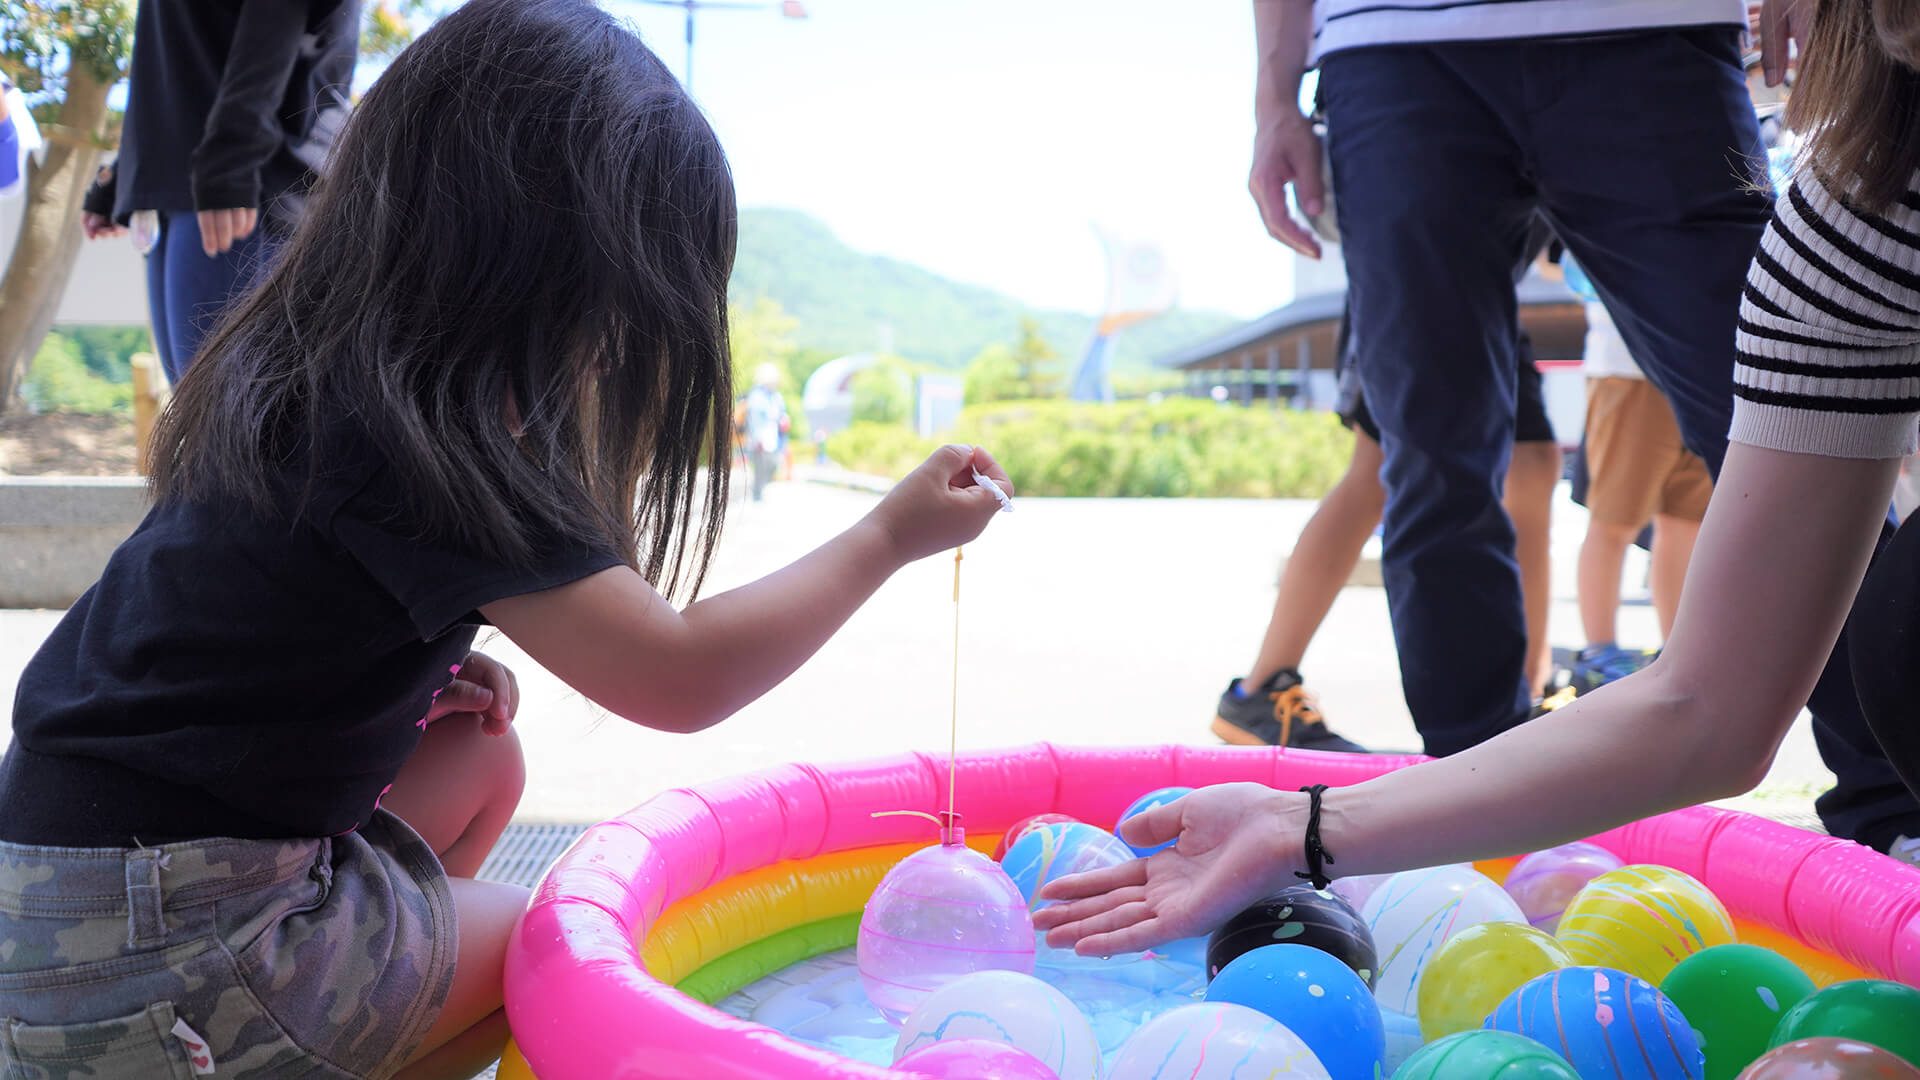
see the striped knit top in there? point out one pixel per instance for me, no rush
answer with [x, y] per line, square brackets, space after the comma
[1829, 344]
[1353, 24]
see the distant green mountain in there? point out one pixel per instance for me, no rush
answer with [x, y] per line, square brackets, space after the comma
[842, 297]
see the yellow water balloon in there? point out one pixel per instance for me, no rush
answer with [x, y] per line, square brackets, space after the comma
[1643, 920]
[1475, 971]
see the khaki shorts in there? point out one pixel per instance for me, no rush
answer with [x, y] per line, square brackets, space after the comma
[1638, 465]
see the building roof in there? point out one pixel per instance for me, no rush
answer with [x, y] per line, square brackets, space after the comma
[1320, 311]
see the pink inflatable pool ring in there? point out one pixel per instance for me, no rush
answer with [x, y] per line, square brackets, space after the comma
[712, 886]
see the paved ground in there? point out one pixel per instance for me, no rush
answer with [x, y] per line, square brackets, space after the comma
[1083, 621]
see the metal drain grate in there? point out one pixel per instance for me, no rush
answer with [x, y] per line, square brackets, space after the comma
[525, 851]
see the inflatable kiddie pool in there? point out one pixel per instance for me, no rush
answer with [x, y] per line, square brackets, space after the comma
[702, 890]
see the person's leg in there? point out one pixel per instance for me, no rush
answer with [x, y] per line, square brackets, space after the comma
[1433, 215]
[1664, 210]
[1531, 480]
[1631, 446]
[458, 791]
[1601, 555]
[1322, 561]
[471, 1030]
[1663, 207]
[1676, 524]
[157, 311]
[199, 286]
[1673, 539]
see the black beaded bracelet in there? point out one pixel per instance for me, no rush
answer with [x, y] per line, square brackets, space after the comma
[1317, 857]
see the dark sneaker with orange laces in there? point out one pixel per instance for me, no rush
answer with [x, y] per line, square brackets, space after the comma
[1557, 700]
[1279, 713]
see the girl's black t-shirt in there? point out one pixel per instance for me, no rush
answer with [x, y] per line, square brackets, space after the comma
[250, 675]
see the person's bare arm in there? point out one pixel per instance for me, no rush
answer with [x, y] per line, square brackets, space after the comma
[1783, 27]
[1781, 553]
[1285, 149]
[1780, 556]
[614, 639]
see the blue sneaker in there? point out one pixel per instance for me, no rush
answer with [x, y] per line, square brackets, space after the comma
[1599, 665]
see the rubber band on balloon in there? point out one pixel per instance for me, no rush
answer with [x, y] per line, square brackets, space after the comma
[583, 1004]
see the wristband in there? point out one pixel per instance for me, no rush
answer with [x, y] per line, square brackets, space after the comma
[1317, 857]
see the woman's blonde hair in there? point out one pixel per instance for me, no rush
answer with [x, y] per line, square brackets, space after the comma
[1858, 98]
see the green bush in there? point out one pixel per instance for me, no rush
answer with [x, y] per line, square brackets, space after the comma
[993, 375]
[59, 380]
[108, 350]
[1179, 447]
[879, 449]
[883, 392]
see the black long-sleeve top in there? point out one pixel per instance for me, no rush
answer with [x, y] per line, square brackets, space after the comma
[232, 103]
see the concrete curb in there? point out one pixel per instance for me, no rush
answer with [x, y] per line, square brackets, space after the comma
[56, 533]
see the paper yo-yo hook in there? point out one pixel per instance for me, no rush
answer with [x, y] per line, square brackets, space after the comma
[952, 834]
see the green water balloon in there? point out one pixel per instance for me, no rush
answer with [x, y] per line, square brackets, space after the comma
[1874, 1011]
[1485, 1055]
[1733, 997]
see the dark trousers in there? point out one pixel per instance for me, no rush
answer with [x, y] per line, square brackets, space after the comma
[1643, 154]
[187, 289]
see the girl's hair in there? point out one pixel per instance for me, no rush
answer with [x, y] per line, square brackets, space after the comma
[1858, 97]
[513, 280]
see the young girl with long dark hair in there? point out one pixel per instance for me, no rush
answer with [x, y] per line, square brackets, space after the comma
[255, 768]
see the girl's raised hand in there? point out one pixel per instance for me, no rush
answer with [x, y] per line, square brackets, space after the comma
[938, 505]
[484, 686]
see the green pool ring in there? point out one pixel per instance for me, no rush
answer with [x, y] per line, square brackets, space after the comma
[1733, 997]
[1875, 1011]
[1485, 1055]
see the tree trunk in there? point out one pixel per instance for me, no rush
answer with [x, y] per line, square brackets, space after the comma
[50, 234]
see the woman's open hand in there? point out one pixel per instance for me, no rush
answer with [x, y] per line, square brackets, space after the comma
[1236, 844]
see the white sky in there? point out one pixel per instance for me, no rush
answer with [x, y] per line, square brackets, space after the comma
[982, 138]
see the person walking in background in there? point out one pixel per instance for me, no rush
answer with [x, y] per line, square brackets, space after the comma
[1271, 705]
[232, 106]
[766, 427]
[1640, 473]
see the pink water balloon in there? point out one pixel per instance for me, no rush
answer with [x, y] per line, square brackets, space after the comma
[1545, 882]
[941, 913]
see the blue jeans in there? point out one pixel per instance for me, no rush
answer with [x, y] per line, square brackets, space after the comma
[1643, 153]
[187, 290]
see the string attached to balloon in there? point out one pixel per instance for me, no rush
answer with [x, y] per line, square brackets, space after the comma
[943, 911]
[953, 718]
[949, 820]
[949, 834]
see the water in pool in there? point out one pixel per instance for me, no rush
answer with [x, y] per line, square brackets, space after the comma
[820, 1002]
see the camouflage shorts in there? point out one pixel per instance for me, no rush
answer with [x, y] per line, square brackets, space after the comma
[228, 958]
